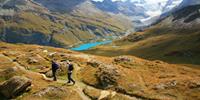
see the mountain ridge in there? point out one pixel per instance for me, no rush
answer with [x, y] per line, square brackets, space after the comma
[38, 25]
[173, 39]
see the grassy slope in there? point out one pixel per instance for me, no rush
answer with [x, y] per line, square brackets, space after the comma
[174, 39]
[138, 78]
[180, 48]
[39, 20]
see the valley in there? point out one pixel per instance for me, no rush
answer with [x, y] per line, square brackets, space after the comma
[174, 39]
[114, 49]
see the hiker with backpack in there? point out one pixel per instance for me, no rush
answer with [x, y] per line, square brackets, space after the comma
[55, 67]
[69, 73]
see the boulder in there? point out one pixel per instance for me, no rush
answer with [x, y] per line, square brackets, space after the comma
[56, 93]
[15, 86]
[121, 59]
[93, 93]
[97, 94]
[166, 85]
[32, 60]
[49, 74]
[94, 63]
[194, 84]
[51, 91]
[107, 75]
[9, 73]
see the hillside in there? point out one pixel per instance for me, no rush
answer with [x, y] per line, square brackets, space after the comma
[111, 78]
[174, 39]
[27, 21]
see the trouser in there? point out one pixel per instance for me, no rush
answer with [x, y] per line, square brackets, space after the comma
[54, 75]
[70, 78]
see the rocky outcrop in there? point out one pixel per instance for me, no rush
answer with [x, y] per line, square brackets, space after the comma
[122, 59]
[96, 94]
[9, 73]
[57, 92]
[107, 75]
[94, 63]
[51, 90]
[15, 87]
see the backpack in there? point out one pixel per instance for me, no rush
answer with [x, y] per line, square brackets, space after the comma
[70, 67]
[55, 65]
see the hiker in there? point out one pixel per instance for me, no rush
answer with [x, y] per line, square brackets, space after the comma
[54, 67]
[69, 72]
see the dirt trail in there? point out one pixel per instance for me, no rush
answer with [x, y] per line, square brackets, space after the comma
[78, 87]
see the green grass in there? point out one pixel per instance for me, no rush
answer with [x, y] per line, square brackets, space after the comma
[156, 45]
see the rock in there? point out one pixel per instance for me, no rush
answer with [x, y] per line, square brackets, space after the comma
[105, 95]
[15, 86]
[97, 94]
[166, 85]
[94, 63]
[135, 37]
[45, 51]
[93, 93]
[122, 59]
[51, 91]
[194, 84]
[52, 54]
[56, 93]
[49, 74]
[32, 61]
[9, 73]
[107, 75]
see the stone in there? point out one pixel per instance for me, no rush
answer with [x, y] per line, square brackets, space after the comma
[122, 59]
[107, 75]
[93, 93]
[166, 85]
[32, 61]
[15, 86]
[9, 73]
[51, 91]
[94, 63]
[194, 84]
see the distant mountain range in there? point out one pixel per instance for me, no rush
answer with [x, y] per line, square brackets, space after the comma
[175, 38]
[58, 23]
[67, 23]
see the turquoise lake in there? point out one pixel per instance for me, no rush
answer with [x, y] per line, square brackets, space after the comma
[89, 45]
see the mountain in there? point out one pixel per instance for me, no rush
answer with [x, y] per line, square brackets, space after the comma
[174, 39]
[117, 74]
[127, 8]
[141, 12]
[47, 22]
[97, 77]
[186, 3]
[170, 5]
[152, 10]
[61, 6]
